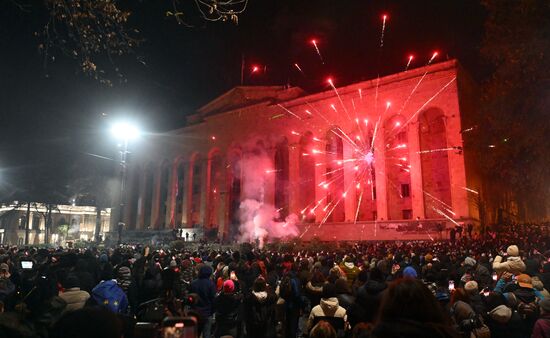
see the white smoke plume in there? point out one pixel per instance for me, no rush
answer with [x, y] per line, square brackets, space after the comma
[258, 219]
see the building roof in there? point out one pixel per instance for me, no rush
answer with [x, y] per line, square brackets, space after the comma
[244, 96]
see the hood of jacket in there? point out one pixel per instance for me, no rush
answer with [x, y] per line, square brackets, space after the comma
[205, 271]
[501, 314]
[329, 305]
[261, 296]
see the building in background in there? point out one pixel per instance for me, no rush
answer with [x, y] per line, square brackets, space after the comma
[349, 162]
[69, 223]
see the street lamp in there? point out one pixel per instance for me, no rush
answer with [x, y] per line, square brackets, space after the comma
[125, 132]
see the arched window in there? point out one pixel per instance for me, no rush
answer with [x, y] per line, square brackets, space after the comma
[307, 177]
[180, 191]
[398, 177]
[195, 193]
[215, 180]
[434, 159]
[164, 195]
[281, 178]
[148, 198]
[334, 178]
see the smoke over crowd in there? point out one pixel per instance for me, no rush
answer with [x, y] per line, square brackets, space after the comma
[260, 220]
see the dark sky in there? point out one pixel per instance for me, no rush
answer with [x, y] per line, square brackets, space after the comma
[51, 114]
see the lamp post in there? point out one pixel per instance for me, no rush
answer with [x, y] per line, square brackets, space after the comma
[125, 132]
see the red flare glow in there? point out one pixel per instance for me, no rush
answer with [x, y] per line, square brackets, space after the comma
[255, 69]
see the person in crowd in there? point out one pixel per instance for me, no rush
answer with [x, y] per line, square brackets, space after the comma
[72, 295]
[314, 287]
[204, 287]
[108, 294]
[513, 263]
[350, 270]
[322, 329]
[328, 307]
[227, 305]
[541, 328]
[410, 310]
[259, 310]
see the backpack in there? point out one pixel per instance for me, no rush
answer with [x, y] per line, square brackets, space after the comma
[110, 295]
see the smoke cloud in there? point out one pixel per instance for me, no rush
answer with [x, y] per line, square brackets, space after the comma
[258, 218]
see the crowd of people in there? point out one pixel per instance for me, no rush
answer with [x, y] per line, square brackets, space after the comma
[490, 286]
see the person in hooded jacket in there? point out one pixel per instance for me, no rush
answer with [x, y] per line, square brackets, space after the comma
[73, 296]
[328, 307]
[351, 271]
[227, 304]
[368, 298]
[513, 263]
[204, 287]
[259, 311]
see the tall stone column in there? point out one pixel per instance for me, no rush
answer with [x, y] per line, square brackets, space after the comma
[294, 179]
[320, 191]
[380, 175]
[204, 193]
[169, 218]
[349, 189]
[417, 194]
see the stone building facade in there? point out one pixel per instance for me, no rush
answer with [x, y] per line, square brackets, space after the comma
[69, 223]
[348, 162]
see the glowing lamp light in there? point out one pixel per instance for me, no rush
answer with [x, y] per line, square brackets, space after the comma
[124, 131]
[213, 138]
[344, 195]
[356, 168]
[397, 124]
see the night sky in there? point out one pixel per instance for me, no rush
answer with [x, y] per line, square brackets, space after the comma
[51, 114]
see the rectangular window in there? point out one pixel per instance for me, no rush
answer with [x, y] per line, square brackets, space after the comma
[374, 215]
[407, 214]
[374, 193]
[405, 190]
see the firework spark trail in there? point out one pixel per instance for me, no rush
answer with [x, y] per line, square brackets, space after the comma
[470, 190]
[299, 69]
[440, 201]
[384, 17]
[425, 104]
[409, 62]
[318, 112]
[360, 94]
[435, 150]
[445, 215]
[339, 98]
[358, 206]
[314, 42]
[377, 124]
[417, 84]
[288, 111]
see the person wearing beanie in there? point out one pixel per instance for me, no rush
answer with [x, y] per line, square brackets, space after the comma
[410, 272]
[513, 263]
[542, 325]
[329, 307]
[471, 288]
[73, 296]
[227, 305]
